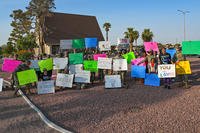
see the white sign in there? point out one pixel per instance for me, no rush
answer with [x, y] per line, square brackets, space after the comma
[104, 45]
[60, 63]
[1, 84]
[113, 81]
[166, 71]
[65, 44]
[123, 41]
[64, 80]
[45, 87]
[120, 65]
[104, 63]
[34, 64]
[73, 69]
[82, 77]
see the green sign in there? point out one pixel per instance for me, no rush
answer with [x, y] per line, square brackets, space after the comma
[191, 47]
[78, 43]
[76, 58]
[27, 77]
[46, 64]
[129, 56]
[90, 65]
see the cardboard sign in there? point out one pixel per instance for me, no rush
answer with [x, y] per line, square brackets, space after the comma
[105, 63]
[64, 80]
[166, 71]
[91, 42]
[123, 46]
[78, 43]
[172, 52]
[73, 69]
[138, 60]
[60, 63]
[183, 67]
[1, 84]
[113, 81]
[152, 80]
[138, 71]
[96, 56]
[46, 64]
[76, 58]
[82, 77]
[104, 46]
[191, 47]
[120, 65]
[129, 56]
[151, 46]
[122, 41]
[34, 64]
[9, 65]
[46, 87]
[90, 65]
[65, 44]
[27, 77]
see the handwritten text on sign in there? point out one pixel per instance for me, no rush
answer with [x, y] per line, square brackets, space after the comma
[113, 81]
[166, 71]
[45, 87]
[64, 80]
[82, 77]
[105, 63]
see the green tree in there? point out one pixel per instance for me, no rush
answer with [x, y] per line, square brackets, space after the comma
[39, 10]
[147, 35]
[107, 27]
[130, 34]
[136, 35]
[21, 26]
[8, 49]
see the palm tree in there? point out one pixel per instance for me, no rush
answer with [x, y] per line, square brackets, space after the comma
[136, 36]
[147, 35]
[107, 27]
[132, 35]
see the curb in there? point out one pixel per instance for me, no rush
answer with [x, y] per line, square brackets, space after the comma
[42, 116]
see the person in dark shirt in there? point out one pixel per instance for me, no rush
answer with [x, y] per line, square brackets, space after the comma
[165, 58]
[45, 75]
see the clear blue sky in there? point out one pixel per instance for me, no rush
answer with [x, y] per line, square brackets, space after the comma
[160, 16]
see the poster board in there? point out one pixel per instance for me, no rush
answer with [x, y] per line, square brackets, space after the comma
[104, 46]
[34, 64]
[129, 57]
[91, 42]
[191, 47]
[172, 52]
[113, 81]
[166, 71]
[73, 69]
[60, 63]
[183, 67]
[82, 77]
[27, 77]
[65, 44]
[123, 41]
[152, 80]
[64, 80]
[138, 60]
[104, 63]
[46, 64]
[76, 58]
[96, 56]
[9, 65]
[46, 87]
[120, 65]
[78, 43]
[138, 71]
[90, 65]
[1, 84]
[151, 46]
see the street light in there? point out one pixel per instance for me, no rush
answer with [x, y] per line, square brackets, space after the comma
[184, 13]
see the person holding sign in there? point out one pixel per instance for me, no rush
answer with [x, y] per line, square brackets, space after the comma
[165, 58]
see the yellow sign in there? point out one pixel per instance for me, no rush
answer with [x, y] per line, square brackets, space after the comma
[183, 67]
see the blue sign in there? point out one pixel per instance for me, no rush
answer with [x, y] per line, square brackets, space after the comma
[138, 71]
[172, 52]
[152, 80]
[91, 42]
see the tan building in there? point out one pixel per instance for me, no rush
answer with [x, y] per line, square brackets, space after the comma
[62, 26]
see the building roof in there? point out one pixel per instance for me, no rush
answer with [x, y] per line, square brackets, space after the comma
[70, 26]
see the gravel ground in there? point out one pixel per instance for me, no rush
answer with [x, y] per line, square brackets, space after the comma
[96, 110]
[137, 109]
[17, 117]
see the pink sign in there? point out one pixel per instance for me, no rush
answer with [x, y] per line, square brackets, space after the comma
[96, 56]
[9, 65]
[138, 60]
[151, 46]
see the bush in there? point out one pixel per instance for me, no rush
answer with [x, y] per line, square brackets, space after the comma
[24, 55]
